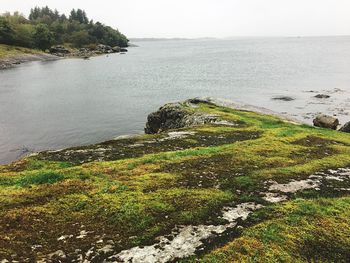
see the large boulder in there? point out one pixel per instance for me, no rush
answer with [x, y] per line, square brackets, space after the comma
[59, 50]
[116, 49]
[175, 116]
[325, 121]
[346, 127]
[104, 48]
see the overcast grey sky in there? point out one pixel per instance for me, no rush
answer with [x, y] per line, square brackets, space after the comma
[208, 18]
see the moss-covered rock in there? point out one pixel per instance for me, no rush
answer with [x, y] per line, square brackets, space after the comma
[130, 198]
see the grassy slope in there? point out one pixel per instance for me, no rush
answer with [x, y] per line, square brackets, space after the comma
[138, 193]
[10, 51]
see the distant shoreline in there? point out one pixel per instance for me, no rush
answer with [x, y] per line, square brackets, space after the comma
[12, 56]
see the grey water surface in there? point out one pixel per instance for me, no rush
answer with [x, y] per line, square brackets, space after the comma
[71, 102]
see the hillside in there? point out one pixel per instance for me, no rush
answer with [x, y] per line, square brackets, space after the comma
[44, 28]
[224, 184]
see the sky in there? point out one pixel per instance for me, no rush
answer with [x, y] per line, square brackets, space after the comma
[207, 18]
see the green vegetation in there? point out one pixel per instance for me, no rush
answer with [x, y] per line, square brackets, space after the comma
[45, 27]
[9, 51]
[133, 190]
[314, 230]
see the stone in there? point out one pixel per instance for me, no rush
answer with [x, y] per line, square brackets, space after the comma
[104, 49]
[325, 121]
[57, 50]
[116, 49]
[58, 255]
[123, 50]
[284, 98]
[322, 96]
[174, 116]
[345, 128]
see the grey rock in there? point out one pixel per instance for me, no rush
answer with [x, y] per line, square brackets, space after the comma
[322, 96]
[175, 116]
[59, 50]
[123, 50]
[104, 49]
[283, 98]
[345, 128]
[103, 253]
[325, 121]
[116, 49]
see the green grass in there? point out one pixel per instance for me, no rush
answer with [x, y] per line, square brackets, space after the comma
[40, 178]
[138, 193]
[9, 51]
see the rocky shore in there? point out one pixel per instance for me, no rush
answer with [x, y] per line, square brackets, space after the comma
[58, 52]
[210, 181]
[12, 61]
[85, 53]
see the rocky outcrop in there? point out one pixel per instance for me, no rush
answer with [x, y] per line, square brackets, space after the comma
[325, 121]
[345, 128]
[84, 52]
[60, 51]
[104, 49]
[175, 116]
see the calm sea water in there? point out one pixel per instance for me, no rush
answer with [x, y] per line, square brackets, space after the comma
[72, 102]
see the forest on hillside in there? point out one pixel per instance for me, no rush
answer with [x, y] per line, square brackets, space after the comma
[45, 27]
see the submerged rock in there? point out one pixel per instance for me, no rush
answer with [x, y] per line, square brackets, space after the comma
[283, 98]
[325, 121]
[322, 96]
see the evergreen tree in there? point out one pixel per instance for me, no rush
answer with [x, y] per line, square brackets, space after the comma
[43, 37]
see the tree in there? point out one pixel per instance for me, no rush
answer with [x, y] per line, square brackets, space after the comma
[73, 15]
[43, 37]
[6, 31]
[47, 27]
[80, 38]
[24, 35]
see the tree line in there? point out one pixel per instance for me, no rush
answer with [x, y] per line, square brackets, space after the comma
[45, 27]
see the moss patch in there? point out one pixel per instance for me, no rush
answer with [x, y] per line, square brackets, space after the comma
[132, 190]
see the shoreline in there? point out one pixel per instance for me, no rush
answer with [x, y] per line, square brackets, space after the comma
[15, 60]
[218, 102]
[12, 60]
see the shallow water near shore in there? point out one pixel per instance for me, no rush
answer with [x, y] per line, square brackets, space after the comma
[53, 105]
